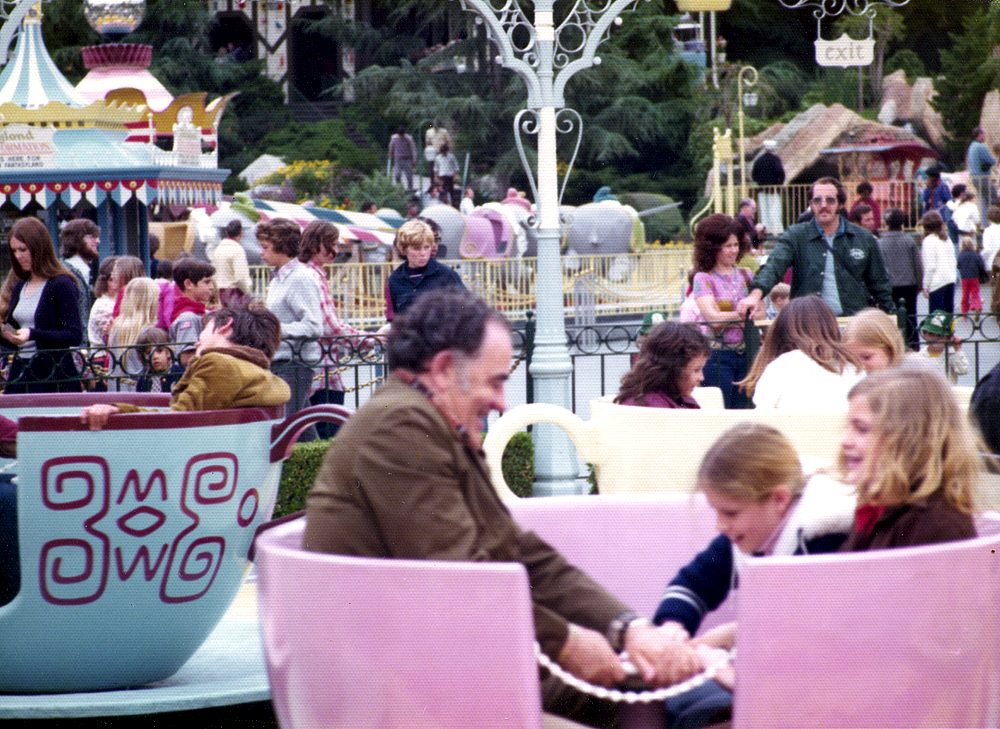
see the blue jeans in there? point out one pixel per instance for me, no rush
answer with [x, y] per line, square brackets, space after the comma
[942, 299]
[10, 555]
[723, 368]
[707, 704]
[327, 397]
[299, 378]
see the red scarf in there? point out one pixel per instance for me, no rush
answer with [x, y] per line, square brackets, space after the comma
[183, 304]
[865, 517]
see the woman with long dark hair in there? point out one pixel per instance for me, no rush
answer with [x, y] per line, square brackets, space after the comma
[43, 319]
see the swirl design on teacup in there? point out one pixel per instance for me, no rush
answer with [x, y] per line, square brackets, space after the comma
[145, 531]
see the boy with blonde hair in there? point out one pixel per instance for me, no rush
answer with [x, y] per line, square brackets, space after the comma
[420, 272]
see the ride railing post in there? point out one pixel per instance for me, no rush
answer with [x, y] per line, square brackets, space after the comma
[529, 348]
[901, 315]
[751, 345]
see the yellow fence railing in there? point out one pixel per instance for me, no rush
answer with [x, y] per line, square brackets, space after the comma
[633, 283]
[795, 199]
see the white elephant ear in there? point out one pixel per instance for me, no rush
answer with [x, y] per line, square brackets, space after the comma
[518, 238]
[520, 241]
[638, 241]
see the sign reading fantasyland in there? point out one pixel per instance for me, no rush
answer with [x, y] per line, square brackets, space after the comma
[845, 51]
[25, 147]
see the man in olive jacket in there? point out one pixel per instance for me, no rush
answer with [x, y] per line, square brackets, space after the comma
[406, 478]
[845, 278]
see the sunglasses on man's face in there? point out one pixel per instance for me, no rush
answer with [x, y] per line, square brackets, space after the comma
[824, 200]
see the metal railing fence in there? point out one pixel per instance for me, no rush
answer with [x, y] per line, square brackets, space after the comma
[619, 284]
[888, 193]
[600, 354]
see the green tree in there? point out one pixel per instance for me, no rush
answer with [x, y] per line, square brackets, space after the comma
[637, 106]
[781, 87]
[907, 61]
[929, 23]
[970, 69]
[66, 31]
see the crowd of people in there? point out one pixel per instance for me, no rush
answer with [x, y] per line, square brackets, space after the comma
[406, 476]
[909, 467]
[906, 475]
[78, 323]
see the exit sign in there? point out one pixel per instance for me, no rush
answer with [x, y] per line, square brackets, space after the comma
[845, 51]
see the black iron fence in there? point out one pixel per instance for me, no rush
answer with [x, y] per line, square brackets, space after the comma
[600, 354]
[358, 364]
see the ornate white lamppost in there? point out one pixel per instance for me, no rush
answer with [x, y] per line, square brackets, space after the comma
[545, 55]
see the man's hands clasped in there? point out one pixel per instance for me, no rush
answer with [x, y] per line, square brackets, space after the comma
[663, 655]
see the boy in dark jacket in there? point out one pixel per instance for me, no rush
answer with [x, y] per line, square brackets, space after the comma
[421, 272]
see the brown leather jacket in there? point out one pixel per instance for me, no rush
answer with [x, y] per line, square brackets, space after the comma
[398, 481]
[928, 521]
[229, 377]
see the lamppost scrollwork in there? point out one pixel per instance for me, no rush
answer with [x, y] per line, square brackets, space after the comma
[546, 55]
[747, 75]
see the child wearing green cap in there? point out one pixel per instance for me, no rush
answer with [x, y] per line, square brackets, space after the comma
[944, 349]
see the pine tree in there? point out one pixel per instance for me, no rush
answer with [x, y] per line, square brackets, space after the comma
[971, 68]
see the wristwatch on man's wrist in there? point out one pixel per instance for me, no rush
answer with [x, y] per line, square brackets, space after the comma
[618, 628]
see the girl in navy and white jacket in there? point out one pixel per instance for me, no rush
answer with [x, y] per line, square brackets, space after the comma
[753, 479]
[765, 505]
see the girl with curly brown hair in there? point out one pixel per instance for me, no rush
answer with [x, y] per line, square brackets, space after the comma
[668, 368]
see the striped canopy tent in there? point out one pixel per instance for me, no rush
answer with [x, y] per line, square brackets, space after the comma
[357, 227]
[31, 80]
[390, 217]
[122, 66]
[371, 230]
[270, 209]
[346, 221]
[59, 149]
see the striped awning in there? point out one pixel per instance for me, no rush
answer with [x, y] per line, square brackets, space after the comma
[31, 80]
[95, 192]
[356, 219]
[350, 224]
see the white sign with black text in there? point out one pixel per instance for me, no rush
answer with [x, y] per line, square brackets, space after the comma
[23, 147]
[845, 51]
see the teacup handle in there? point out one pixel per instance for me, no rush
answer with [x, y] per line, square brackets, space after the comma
[521, 417]
[285, 433]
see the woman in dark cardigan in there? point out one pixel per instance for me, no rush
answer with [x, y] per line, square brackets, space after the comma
[43, 318]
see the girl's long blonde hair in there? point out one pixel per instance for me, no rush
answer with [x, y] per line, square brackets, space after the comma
[875, 328]
[138, 311]
[806, 323]
[749, 461]
[925, 441]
